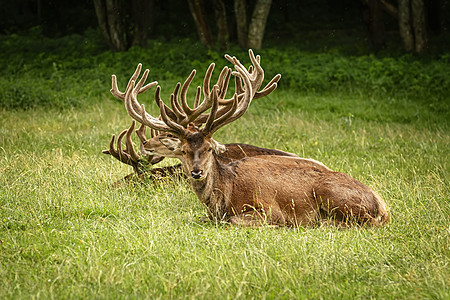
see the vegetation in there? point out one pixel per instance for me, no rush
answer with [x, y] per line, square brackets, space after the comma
[66, 232]
[55, 72]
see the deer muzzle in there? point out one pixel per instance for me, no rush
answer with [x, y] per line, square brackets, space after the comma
[197, 174]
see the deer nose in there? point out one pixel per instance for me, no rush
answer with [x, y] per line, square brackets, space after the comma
[197, 174]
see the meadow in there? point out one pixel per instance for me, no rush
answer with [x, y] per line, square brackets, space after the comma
[67, 232]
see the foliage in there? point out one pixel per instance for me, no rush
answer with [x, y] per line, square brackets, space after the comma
[333, 71]
[64, 72]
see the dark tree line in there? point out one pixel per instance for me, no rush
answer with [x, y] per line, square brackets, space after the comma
[218, 23]
[122, 32]
[125, 23]
[411, 16]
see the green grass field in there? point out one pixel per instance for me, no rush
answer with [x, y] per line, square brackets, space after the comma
[67, 233]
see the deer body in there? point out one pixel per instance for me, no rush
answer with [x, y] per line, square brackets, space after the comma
[277, 190]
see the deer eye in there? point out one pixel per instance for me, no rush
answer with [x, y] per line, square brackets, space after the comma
[210, 149]
[182, 151]
[144, 142]
[169, 135]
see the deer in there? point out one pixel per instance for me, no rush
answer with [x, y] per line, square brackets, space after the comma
[266, 189]
[153, 150]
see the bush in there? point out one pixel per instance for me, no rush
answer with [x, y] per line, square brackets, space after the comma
[64, 72]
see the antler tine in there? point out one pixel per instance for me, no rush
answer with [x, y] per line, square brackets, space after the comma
[129, 148]
[198, 95]
[250, 68]
[115, 90]
[131, 104]
[140, 84]
[121, 95]
[207, 102]
[256, 63]
[221, 116]
[207, 81]
[184, 90]
[269, 88]
[122, 155]
[223, 82]
[111, 149]
[176, 108]
[247, 97]
[212, 114]
[141, 133]
[239, 89]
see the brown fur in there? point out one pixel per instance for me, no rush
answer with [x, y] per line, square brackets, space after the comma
[238, 151]
[277, 190]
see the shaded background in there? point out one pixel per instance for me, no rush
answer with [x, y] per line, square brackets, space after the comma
[301, 23]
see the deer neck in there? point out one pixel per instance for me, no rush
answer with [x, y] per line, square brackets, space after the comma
[212, 190]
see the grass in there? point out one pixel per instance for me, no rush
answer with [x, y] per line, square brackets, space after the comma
[67, 233]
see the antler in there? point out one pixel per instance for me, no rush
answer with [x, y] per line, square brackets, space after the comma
[180, 111]
[223, 111]
[129, 155]
[252, 79]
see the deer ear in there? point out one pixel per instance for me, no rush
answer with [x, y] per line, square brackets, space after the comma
[172, 144]
[218, 147]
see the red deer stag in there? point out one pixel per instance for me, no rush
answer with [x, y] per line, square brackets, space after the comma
[275, 190]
